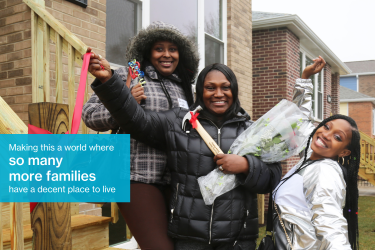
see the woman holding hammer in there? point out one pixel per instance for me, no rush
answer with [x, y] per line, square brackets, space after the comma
[232, 221]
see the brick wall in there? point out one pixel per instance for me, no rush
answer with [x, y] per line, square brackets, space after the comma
[15, 56]
[335, 86]
[292, 62]
[269, 69]
[15, 46]
[361, 112]
[367, 85]
[88, 24]
[239, 54]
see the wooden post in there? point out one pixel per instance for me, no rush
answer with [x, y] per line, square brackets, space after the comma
[114, 212]
[51, 222]
[128, 233]
[16, 227]
[261, 208]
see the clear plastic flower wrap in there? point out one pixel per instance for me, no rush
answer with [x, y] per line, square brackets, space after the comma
[279, 134]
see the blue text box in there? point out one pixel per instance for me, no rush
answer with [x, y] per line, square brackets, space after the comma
[65, 168]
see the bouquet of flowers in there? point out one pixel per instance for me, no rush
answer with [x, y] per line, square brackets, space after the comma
[279, 134]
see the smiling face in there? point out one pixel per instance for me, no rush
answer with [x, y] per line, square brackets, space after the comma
[331, 140]
[217, 94]
[164, 57]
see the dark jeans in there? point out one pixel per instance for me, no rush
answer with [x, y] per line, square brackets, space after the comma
[196, 245]
[146, 216]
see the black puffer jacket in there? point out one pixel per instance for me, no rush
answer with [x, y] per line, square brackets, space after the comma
[233, 215]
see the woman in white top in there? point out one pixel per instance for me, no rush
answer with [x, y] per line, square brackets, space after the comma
[317, 200]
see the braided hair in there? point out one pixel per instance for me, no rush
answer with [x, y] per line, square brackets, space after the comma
[351, 164]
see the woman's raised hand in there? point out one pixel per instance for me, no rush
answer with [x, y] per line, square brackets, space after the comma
[314, 68]
[99, 67]
[138, 93]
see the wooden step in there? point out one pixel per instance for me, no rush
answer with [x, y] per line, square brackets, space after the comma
[26, 213]
[370, 177]
[88, 232]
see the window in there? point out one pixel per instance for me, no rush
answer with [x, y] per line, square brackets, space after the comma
[213, 23]
[123, 22]
[182, 14]
[318, 84]
[201, 20]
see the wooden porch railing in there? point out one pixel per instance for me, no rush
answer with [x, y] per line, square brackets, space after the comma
[367, 164]
[44, 28]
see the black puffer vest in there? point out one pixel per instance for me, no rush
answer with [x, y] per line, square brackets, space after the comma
[234, 215]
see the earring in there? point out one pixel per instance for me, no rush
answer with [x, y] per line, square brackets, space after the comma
[343, 160]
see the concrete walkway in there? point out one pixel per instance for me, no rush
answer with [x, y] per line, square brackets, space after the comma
[366, 191]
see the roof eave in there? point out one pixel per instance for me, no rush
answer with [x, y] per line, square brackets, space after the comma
[307, 38]
[359, 100]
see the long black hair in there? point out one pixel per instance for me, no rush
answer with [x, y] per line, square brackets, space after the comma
[231, 77]
[351, 164]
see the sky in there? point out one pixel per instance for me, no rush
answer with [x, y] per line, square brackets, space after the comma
[347, 27]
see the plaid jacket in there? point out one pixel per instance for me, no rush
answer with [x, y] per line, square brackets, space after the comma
[147, 164]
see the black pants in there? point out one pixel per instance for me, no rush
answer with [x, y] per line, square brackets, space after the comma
[196, 245]
[146, 216]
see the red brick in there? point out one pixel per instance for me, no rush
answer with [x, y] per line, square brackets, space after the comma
[15, 73]
[9, 99]
[7, 66]
[23, 81]
[23, 99]
[15, 91]
[14, 56]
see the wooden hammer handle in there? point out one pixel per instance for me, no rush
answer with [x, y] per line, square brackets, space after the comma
[208, 139]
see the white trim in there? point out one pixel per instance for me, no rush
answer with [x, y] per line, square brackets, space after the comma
[359, 74]
[303, 61]
[146, 13]
[307, 37]
[306, 52]
[224, 28]
[316, 96]
[357, 82]
[323, 96]
[115, 66]
[213, 38]
[358, 100]
[201, 35]
[347, 108]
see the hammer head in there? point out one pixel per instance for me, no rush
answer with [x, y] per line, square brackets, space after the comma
[187, 117]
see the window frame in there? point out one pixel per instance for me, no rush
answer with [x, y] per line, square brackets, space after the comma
[144, 12]
[305, 54]
[141, 8]
[202, 35]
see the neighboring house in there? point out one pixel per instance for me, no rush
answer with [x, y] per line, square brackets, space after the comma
[362, 78]
[283, 45]
[360, 107]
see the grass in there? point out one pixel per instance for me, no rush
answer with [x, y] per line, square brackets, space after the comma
[366, 223]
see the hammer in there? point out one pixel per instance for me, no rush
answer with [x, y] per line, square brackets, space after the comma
[202, 132]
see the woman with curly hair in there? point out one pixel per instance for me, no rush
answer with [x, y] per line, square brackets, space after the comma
[169, 61]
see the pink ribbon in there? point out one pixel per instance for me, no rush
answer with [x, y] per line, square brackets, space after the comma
[77, 113]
